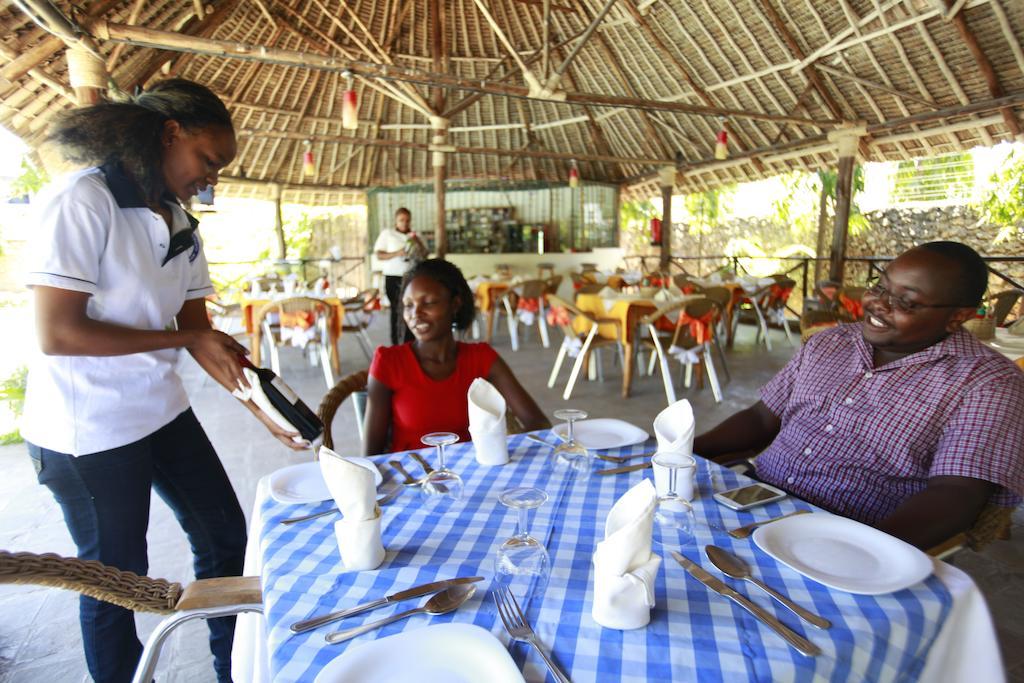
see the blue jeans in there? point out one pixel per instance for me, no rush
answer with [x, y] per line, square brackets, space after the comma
[105, 498]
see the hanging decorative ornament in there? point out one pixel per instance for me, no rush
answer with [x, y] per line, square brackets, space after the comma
[349, 105]
[722, 141]
[574, 175]
[308, 167]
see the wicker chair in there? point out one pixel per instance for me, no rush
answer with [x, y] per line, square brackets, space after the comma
[266, 328]
[529, 290]
[698, 350]
[581, 344]
[353, 385]
[358, 315]
[1002, 303]
[202, 599]
[993, 523]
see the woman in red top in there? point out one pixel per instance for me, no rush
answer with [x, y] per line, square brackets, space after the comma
[421, 386]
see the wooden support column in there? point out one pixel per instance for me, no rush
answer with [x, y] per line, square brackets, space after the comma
[88, 75]
[275, 194]
[439, 151]
[667, 180]
[847, 140]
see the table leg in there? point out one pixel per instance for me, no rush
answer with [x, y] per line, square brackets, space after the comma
[255, 343]
[335, 359]
[627, 370]
[490, 324]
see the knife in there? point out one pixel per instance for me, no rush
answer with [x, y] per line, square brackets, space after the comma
[409, 479]
[427, 469]
[801, 644]
[627, 468]
[409, 593]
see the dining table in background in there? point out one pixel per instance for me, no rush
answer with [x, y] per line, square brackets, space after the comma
[251, 306]
[488, 293]
[937, 630]
[628, 311]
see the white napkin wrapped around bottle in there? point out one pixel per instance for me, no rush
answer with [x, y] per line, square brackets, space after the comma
[352, 485]
[674, 429]
[487, 423]
[624, 567]
[256, 394]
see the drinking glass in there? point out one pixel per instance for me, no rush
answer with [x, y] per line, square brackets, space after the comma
[674, 512]
[571, 454]
[522, 562]
[442, 483]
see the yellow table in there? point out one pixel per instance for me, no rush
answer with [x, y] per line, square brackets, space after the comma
[487, 295]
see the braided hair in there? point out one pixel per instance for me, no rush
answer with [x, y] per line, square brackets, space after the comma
[130, 133]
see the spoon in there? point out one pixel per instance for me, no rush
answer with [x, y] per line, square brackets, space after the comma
[441, 602]
[738, 569]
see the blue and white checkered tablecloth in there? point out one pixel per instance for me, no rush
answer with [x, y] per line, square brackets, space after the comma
[694, 634]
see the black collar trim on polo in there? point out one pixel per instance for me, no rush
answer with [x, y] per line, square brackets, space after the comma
[128, 196]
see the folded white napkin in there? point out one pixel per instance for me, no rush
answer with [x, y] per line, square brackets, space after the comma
[487, 423]
[255, 392]
[1017, 328]
[352, 485]
[673, 427]
[624, 567]
[608, 293]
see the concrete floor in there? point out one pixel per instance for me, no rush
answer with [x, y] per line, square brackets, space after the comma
[39, 638]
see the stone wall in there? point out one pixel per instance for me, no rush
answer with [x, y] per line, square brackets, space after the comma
[892, 231]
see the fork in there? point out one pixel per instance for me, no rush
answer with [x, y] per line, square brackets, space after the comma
[518, 628]
[383, 500]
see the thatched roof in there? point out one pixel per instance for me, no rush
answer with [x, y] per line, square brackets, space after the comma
[644, 90]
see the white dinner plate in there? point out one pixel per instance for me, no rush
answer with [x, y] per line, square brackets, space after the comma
[300, 484]
[843, 554]
[1008, 342]
[442, 653]
[605, 432]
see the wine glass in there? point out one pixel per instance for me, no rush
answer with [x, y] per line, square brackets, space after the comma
[674, 512]
[522, 562]
[442, 483]
[571, 454]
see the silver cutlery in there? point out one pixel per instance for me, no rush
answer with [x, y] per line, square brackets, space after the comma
[407, 594]
[427, 469]
[738, 569]
[627, 468]
[382, 500]
[519, 629]
[798, 642]
[443, 602]
[409, 479]
[745, 531]
[610, 458]
[623, 458]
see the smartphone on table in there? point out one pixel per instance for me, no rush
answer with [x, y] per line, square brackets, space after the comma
[752, 495]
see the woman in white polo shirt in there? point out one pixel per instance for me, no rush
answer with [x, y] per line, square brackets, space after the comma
[116, 263]
[393, 248]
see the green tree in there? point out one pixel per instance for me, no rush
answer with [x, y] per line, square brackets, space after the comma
[1004, 205]
[31, 180]
[635, 218]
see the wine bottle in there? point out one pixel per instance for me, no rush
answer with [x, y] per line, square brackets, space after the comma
[287, 402]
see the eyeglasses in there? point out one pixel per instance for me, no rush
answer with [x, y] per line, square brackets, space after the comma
[900, 303]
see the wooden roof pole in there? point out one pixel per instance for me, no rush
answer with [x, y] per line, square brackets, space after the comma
[438, 159]
[276, 134]
[995, 88]
[794, 47]
[667, 180]
[739, 140]
[847, 141]
[169, 40]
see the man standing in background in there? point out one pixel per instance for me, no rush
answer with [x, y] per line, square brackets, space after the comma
[398, 249]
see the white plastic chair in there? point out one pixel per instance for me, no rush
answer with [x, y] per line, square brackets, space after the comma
[682, 346]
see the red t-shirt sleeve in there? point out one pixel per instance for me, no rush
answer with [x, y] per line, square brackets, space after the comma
[382, 366]
[482, 357]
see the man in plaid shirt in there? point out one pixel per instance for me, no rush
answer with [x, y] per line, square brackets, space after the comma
[903, 421]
